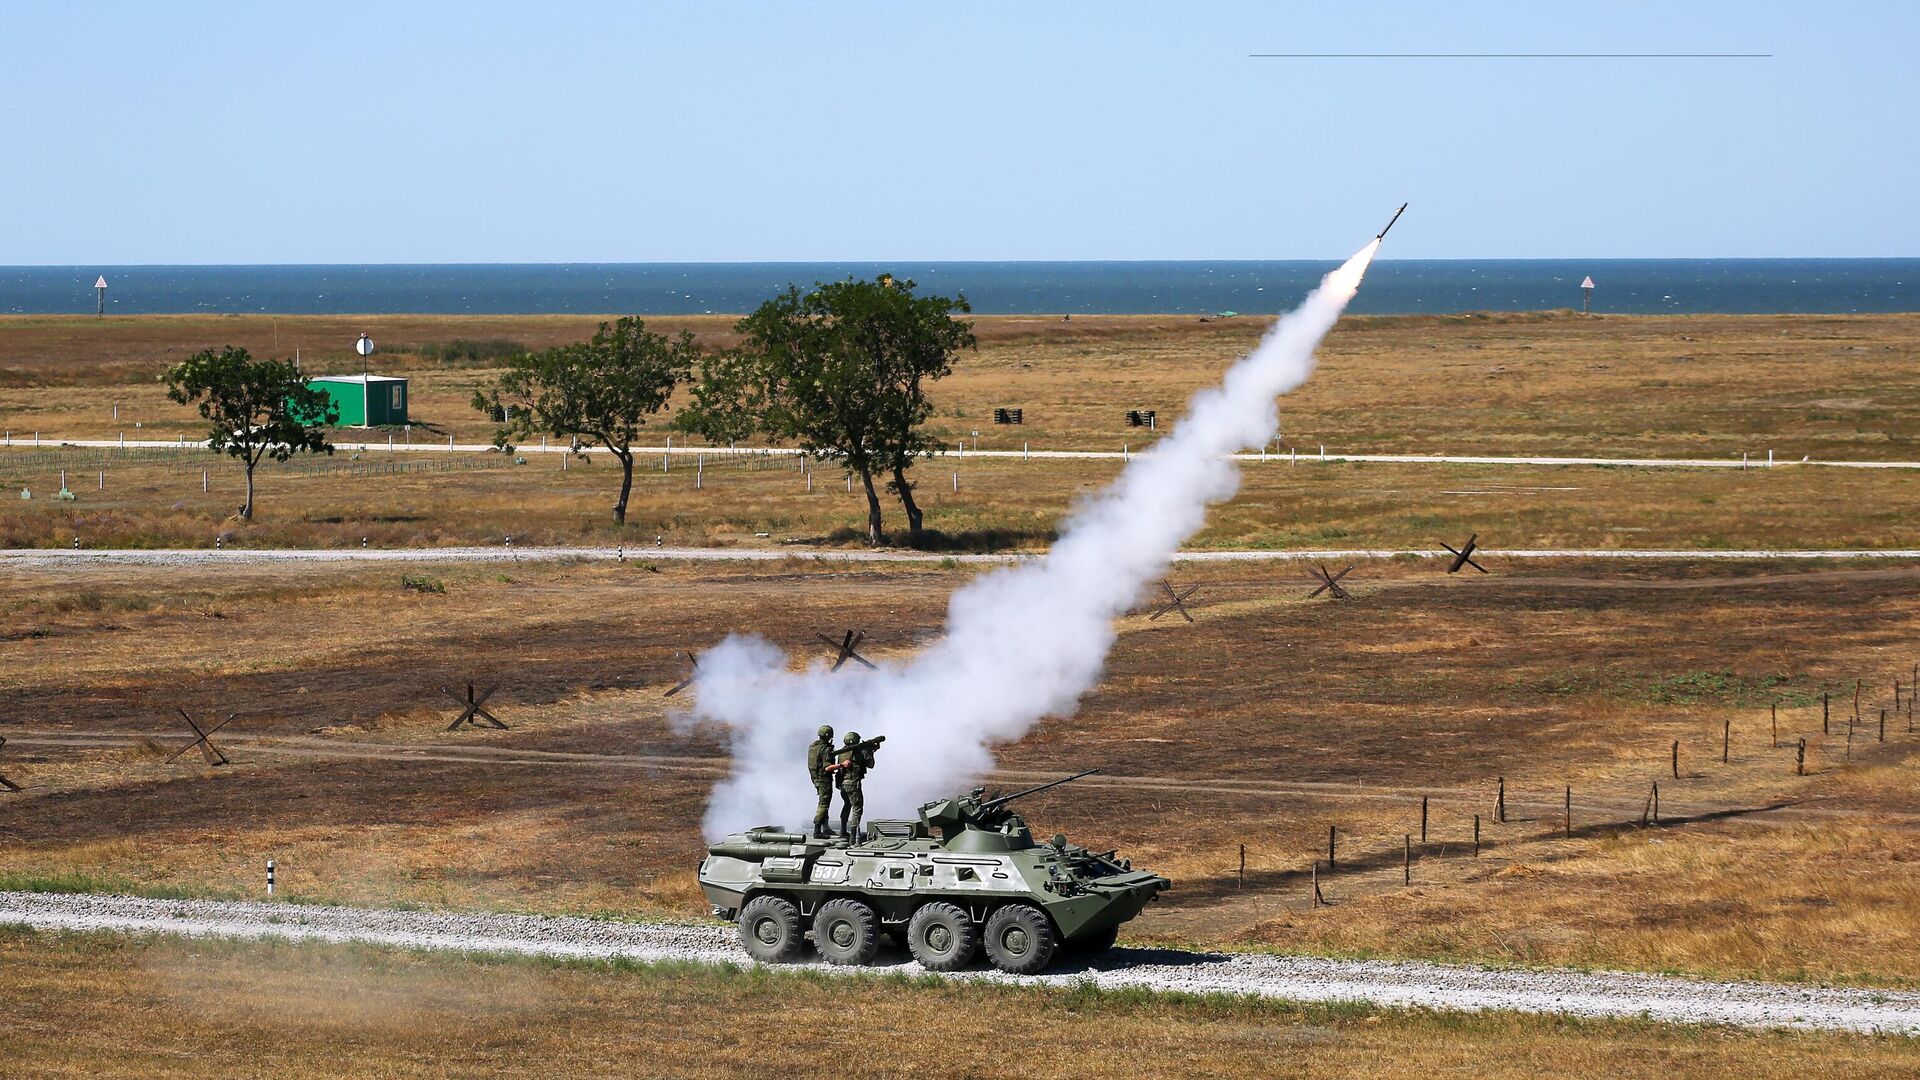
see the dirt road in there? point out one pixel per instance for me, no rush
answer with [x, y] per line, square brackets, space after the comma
[1596, 994]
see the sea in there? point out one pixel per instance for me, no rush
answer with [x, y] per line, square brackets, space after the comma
[1394, 286]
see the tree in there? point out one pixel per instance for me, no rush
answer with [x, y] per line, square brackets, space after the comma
[255, 408]
[841, 372]
[598, 391]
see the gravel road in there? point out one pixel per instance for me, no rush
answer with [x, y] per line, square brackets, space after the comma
[68, 559]
[1597, 994]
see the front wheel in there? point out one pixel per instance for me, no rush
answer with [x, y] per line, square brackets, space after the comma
[847, 932]
[942, 937]
[1020, 939]
[770, 930]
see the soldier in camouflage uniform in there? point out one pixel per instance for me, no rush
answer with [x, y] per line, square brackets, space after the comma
[819, 757]
[849, 770]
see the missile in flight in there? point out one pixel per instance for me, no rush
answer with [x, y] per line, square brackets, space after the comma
[1396, 217]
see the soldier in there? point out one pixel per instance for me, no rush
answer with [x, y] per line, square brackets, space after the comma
[855, 759]
[819, 758]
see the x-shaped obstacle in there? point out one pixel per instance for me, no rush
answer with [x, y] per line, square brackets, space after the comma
[693, 672]
[1330, 582]
[846, 649]
[1176, 601]
[473, 708]
[202, 740]
[1463, 556]
[4, 782]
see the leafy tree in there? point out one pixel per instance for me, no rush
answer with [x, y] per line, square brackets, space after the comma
[255, 408]
[840, 372]
[599, 391]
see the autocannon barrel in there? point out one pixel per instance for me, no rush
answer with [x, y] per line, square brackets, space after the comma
[995, 804]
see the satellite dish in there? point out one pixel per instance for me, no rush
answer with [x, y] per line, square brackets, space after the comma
[364, 346]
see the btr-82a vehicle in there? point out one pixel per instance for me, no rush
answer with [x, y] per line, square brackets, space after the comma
[967, 875]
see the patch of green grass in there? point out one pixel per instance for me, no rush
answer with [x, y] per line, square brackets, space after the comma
[79, 881]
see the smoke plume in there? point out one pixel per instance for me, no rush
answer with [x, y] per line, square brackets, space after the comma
[1021, 643]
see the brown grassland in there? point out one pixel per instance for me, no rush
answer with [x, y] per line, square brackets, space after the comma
[1002, 504]
[93, 1006]
[1832, 387]
[1828, 387]
[1263, 723]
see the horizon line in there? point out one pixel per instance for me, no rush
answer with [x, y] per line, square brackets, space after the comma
[953, 262]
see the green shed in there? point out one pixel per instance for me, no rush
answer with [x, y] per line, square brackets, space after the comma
[365, 400]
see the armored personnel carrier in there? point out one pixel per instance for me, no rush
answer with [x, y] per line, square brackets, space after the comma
[967, 875]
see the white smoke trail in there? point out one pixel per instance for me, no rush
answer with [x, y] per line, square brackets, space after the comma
[1021, 643]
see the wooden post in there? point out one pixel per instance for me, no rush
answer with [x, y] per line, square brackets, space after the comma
[1317, 901]
[1406, 862]
[1569, 811]
[1800, 759]
[1883, 725]
[1330, 863]
[1776, 725]
[1824, 713]
[1500, 801]
[1676, 759]
[1726, 737]
[1856, 699]
[1476, 836]
[1849, 738]
[1242, 883]
[1656, 802]
[1423, 820]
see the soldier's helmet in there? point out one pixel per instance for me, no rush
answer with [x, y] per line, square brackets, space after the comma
[826, 732]
[852, 737]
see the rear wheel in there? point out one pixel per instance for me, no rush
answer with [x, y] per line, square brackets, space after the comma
[770, 930]
[846, 932]
[1020, 940]
[942, 937]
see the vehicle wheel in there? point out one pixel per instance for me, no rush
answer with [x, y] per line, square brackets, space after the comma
[1093, 945]
[1020, 940]
[846, 932]
[770, 930]
[942, 937]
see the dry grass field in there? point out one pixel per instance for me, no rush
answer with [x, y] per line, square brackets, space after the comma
[99, 1006]
[1002, 504]
[1831, 387]
[1684, 386]
[1263, 723]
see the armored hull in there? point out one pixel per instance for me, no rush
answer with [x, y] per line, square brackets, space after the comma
[966, 877]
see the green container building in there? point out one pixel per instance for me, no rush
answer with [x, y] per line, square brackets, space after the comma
[365, 400]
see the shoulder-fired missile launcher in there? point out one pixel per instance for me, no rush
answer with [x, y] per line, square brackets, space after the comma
[966, 876]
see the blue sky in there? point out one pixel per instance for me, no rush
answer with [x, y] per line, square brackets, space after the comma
[345, 132]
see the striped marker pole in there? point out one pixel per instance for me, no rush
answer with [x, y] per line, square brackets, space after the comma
[269, 877]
